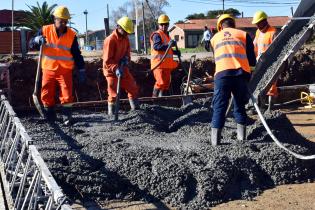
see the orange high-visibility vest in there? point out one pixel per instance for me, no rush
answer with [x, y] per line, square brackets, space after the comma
[229, 47]
[263, 40]
[57, 50]
[156, 56]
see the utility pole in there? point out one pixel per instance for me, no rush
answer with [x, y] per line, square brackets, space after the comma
[292, 11]
[86, 29]
[223, 6]
[106, 23]
[143, 28]
[136, 26]
[12, 46]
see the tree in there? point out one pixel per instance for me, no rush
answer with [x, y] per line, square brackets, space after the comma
[196, 16]
[216, 13]
[213, 14]
[37, 16]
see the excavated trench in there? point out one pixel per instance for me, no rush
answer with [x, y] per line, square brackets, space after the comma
[162, 154]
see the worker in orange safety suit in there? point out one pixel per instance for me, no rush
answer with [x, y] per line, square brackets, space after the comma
[116, 54]
[60, 54]
[160, 41]
[265, 35]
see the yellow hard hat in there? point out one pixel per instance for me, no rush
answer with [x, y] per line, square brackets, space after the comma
[163, 19]
[62, 12]
[127, 24]
[223, 17]
[259, 16]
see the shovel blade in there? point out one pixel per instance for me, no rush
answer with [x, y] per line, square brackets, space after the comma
[38, 106]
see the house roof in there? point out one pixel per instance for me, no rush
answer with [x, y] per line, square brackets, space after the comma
[6, 17]
[198, 24]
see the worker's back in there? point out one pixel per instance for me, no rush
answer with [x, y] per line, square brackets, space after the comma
[229, 47]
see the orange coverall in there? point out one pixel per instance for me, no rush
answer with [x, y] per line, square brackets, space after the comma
[115, 48]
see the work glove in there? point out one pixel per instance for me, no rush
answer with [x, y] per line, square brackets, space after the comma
[40, 40]
[124, 61]
[120, 71]
[172, 43]
[82, 76]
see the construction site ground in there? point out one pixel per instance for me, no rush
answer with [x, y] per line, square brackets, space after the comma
[283, 197]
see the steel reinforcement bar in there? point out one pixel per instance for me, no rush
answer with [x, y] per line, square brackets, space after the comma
[27, 180]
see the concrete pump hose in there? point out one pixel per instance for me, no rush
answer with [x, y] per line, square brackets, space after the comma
[278, 143]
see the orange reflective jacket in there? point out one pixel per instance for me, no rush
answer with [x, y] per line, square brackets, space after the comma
[263, 40]
[156, 56]
[229, 47]
[57, 50]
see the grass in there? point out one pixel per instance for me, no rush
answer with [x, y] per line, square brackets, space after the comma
[193, 50]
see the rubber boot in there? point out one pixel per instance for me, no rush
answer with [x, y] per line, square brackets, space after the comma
[111, 109]
[155, 92]
[134, 104]
[67, 115]
[50, 114]
[215, 136]
[161, 93]
[241, 132]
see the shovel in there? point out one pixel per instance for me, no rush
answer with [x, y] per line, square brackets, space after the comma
[187, 99]
[37, 83]
[117, 97]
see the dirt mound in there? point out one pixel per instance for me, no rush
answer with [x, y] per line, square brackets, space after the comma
[22, 75]
[163, 154]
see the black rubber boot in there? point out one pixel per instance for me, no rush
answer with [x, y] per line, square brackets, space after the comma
[111, 109]
[155, 92]
[50, 114]
[67, 114]
[134, 104]
[215, 136]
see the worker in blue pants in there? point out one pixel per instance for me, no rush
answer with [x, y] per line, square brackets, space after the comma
[233, 55]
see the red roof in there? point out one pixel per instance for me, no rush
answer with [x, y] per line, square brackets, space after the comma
[6, 16]
[199, 24]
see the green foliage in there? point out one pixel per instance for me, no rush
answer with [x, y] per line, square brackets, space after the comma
[214, 14]
[196, 16]
[37, 16]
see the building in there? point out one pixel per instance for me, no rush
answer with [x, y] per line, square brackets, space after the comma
[96, 39]
[189, 34]
[21, 36]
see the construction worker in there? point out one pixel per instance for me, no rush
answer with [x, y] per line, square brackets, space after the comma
[116, 55]
[265, 35]
[60, 54]
[233, 54]
[160, 42]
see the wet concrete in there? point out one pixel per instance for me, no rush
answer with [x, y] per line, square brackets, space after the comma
[162, 154]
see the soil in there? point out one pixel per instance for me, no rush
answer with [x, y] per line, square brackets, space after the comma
[162, 154]
[22, 74]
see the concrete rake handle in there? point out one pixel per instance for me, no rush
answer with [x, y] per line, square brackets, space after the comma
[37, 82]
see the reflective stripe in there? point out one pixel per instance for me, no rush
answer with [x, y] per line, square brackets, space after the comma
[161, 56]
[58, 46]
[263, 45]
[224, 43]
[61, 58]
[241, 56]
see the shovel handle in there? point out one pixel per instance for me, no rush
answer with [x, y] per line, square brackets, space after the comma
[38, 71]
[117, 98]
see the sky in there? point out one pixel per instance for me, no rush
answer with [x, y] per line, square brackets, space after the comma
[177, 10]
